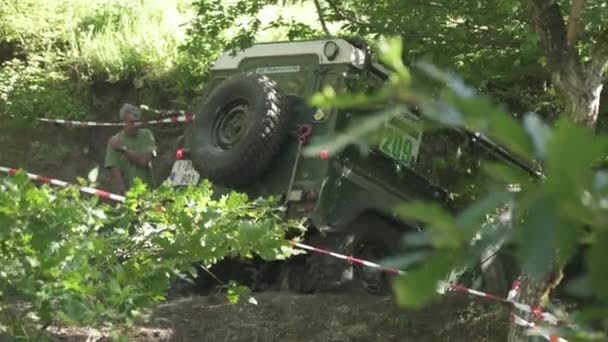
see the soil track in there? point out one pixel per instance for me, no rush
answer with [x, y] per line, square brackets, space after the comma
[281, 316]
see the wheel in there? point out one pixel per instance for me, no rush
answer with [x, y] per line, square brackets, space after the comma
[321, 273]
[238, 129]
[299, 278]
[496, 276]
[375, 239]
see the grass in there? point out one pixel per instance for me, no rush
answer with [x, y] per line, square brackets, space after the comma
[119, 39]
[68, 44]
[130, 38]
[116, 38]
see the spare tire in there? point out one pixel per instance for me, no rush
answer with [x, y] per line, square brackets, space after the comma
[239, 129]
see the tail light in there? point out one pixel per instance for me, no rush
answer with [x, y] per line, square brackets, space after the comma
[180, 154]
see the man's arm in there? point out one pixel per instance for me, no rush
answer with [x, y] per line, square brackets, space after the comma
[111, 162]
[118, 182]
[146, 152]
[140, 158]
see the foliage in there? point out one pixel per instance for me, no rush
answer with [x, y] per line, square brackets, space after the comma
[112, 39]
[492, 44]
[28, 90]
[220, 26]
[78, 261]
[552, 219]
[60, 47]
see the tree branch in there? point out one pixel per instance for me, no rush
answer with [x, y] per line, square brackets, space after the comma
[574, 22]
[321, 18]
[340, 15]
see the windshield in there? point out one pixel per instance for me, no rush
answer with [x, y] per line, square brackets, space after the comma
[295, 75]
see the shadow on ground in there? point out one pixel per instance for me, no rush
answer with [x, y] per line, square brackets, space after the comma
[282, 316]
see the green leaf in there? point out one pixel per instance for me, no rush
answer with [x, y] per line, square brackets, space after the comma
[509, 133]
[569, 235]
[453, 82]
[327, 98]
[419, 286]
[596, 264]
[430, 213]
[540, 134]
[506, 173]
[579, 286]
[355, 131]
[391, 52]
[236, 292]
[572, 151]
[477, 213]
[538, 237]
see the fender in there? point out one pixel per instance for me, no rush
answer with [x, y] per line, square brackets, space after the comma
[352, 191]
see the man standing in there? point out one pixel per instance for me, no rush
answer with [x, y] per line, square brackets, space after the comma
[130, 152]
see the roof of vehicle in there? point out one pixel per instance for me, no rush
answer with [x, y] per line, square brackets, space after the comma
[347, 53]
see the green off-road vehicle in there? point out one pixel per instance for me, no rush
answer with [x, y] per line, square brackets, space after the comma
[249, 133]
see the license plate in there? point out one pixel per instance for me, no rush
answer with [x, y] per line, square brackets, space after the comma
[403, 142]
[183, 173]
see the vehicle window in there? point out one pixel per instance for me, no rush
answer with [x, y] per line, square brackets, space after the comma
[299, 83]
[365, 82]
[295, 75]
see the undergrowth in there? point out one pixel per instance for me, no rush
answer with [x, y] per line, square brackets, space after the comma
[72, 260]
[64, 45]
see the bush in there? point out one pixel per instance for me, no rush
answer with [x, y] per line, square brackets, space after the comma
[65, 45]
[35, 88]
[128, 39]
[66, 259]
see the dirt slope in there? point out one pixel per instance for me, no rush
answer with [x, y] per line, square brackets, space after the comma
[281, 316]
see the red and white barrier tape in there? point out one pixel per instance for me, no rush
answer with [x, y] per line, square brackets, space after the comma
[536, 311]
[522, 322]
[514, 289]
[349, 258]
[535, 329]
[85, 189]
[174, 119]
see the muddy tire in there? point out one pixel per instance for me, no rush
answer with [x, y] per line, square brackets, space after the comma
[239, 129]
[375, 239]
[321, 273]
[498, 274]
[300, 279]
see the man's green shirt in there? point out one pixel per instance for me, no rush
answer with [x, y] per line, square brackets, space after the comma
[142, 142]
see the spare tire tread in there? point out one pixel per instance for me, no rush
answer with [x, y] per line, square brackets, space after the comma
[270, 126]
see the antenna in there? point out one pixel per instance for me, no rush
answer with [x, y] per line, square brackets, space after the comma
[501, 152]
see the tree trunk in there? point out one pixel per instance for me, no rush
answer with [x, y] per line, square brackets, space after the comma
[579, 85]
[581, 95]
[582, 102]
[534, 292]
[528, 294]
